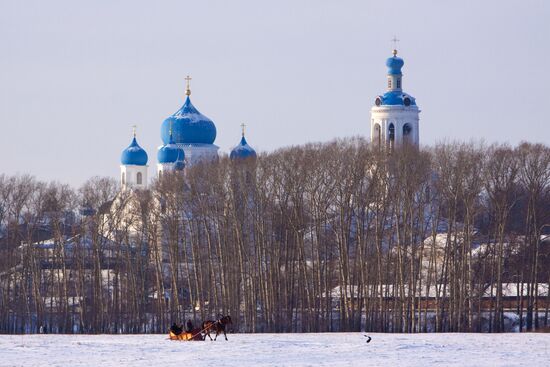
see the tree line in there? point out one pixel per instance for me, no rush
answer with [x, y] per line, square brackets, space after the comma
[338, 236]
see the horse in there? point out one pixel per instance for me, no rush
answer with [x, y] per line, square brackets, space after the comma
[218, 326]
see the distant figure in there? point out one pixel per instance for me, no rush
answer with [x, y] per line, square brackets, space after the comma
[41, 330]
[189, 326]
[176, 329]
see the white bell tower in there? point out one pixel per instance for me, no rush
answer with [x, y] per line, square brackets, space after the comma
[395, 115]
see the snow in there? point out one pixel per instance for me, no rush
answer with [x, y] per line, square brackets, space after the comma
[508, 290]
[324, 349]
[514, 289]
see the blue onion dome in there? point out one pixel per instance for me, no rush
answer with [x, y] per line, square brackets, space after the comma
[170, 153]
[189, 126]
[394, 64]
[134, 155]
[242, 151]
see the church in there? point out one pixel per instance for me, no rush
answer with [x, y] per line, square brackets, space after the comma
[188, 136]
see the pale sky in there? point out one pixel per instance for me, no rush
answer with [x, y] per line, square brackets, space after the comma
[76, 75]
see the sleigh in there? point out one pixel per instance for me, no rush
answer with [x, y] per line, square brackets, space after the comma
[185, 336]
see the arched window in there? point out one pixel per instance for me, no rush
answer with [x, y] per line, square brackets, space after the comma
[407, 134]
[123, 178]
[377, 135]
[391, 135]
[139, 178]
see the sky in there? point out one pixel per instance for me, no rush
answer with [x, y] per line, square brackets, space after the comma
[76, 75]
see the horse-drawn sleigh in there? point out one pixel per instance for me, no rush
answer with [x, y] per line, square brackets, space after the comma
[207, 327]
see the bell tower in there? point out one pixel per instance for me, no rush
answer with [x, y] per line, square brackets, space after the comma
[395, 115]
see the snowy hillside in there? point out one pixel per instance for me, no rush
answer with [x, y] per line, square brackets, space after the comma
[335, 349]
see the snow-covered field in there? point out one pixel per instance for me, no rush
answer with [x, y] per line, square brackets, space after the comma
[335, 349]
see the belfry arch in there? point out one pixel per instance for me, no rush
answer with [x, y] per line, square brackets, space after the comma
[391, 135]
[377, 135]
[407, 134]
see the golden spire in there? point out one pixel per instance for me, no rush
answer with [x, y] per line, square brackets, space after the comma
[242, 127]
[134, 127]
[187, 88]
[395, 40]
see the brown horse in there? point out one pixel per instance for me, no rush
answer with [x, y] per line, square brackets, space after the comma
[218, 326]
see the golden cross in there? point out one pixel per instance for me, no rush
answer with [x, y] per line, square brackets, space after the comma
[242, 127]
[395, 40]
[187, 88]
[134, 127]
